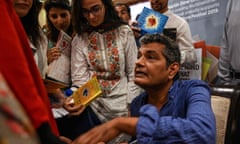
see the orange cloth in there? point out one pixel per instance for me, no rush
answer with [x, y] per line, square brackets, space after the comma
[19, 69]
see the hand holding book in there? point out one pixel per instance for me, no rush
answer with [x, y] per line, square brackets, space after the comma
[53, 54]
[73, 109]
[87, 92]
[59, 69]
[83, 96]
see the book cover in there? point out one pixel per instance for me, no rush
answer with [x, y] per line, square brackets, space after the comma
[87, 92]
[60, 69]
[206, 64]
[212, 72]
[201, 44]
[193, 71]
[151, 21]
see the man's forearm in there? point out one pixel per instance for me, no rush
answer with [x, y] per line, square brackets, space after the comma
[126, 125]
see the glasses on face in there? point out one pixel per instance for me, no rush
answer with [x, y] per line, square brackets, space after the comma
[95, 10]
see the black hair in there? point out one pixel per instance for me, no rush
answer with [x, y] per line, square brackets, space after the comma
[31, 24]
[126, 6]
[52, 32]
[80, 23]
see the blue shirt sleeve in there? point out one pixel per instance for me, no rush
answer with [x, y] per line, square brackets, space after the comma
[197, 127]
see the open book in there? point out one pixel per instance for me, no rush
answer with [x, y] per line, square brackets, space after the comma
[51, 85]
[87, 92]
[59, 70]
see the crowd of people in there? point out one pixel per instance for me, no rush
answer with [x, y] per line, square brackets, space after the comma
[142, 101]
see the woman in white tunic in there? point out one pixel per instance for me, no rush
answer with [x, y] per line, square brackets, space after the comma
[103, 47]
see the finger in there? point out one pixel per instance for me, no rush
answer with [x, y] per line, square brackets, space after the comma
[78, 112]
[136, 29]
[65, 139]
[73, 108]
[69, 101]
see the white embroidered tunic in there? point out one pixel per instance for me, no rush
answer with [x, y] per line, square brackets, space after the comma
[111, 57]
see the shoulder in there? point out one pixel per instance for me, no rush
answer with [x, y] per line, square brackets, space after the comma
[43, 36]
[192, 83]
[124, 33]
[75, 38]
[170, 14]
[78, 39]
[124, 29]
[175, 18]
[194, 86]
[42, 42]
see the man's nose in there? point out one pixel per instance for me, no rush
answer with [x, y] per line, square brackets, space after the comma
[140, 61]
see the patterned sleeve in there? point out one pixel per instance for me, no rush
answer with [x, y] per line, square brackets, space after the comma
[79, 66]
[131, 51]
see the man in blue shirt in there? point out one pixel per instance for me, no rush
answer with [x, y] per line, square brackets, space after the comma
[170, 110]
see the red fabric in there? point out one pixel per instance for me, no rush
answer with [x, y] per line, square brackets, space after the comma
[215, 50]
[201, 44]
[19, 69]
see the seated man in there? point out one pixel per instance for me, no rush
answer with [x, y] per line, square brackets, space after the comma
[170, 110]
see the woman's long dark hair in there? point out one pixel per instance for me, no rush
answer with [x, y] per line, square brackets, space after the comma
[31, 24]
[80, 23]
[52, 32]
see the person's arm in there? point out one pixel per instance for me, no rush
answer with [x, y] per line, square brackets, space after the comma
[53, 54]
[185, 42]
[224, 59]
[79, 72]
[130, 50]
[198, 126]
[108, 131]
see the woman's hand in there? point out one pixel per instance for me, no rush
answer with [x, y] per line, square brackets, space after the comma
[53, 54]
[59, 98]
[72, 108]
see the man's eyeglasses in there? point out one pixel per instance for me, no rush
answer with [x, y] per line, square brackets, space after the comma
[95, 10]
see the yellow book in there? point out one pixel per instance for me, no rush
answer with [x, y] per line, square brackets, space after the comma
[205, 67]
[87, 92]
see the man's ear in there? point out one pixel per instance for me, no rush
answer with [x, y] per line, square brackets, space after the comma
[173, 70]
